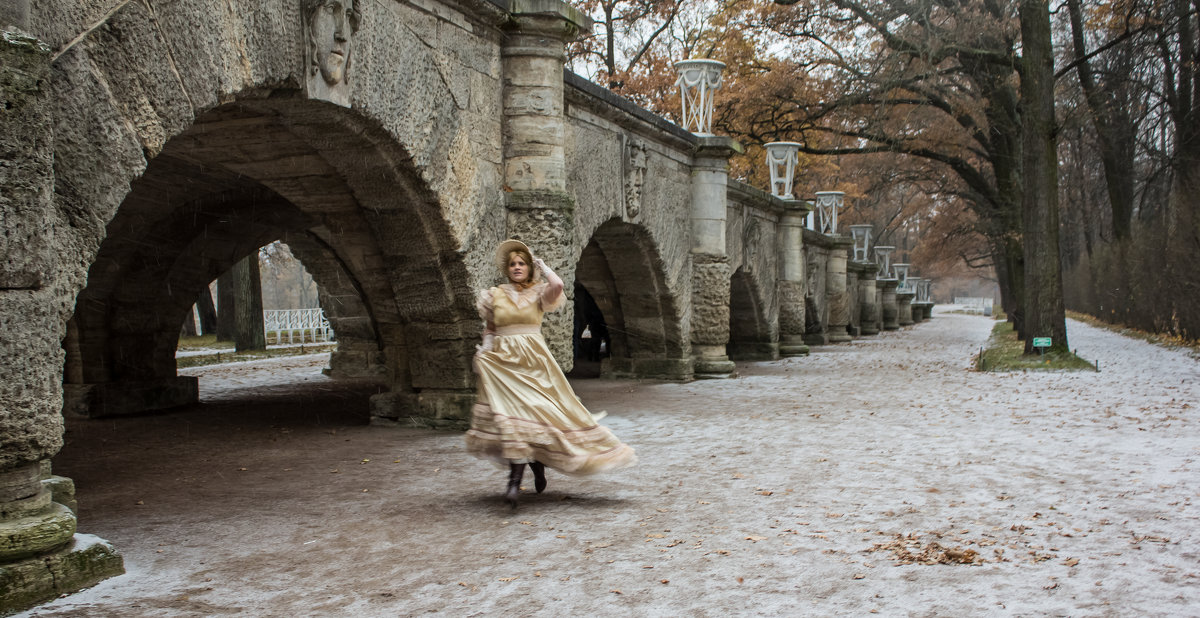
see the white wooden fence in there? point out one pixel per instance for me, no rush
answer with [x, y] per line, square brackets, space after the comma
[292, 325]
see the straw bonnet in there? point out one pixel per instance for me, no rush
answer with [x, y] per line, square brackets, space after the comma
[507, 247]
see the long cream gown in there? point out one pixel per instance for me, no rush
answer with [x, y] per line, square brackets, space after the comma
[526, 410]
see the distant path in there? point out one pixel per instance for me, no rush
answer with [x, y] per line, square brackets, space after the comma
[810, 486]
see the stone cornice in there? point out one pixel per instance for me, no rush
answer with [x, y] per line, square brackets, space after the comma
[624, 113]
[756, 198]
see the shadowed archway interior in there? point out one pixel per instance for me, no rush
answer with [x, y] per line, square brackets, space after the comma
[623, 272]
[337, 190]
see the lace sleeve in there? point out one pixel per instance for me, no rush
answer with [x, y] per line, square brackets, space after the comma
[548, 307]
[483, 303]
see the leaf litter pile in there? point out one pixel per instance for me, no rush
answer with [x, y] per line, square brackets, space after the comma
[911, 549]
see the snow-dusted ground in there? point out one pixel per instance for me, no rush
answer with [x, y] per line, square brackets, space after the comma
[813, 486]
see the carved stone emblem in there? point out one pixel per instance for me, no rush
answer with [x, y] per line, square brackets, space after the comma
[749, 241]
[329, 27]
[635, 176]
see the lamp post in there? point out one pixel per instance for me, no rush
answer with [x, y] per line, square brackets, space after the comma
[781, 161]
[862, 241]
[828, 204]
[698, 80]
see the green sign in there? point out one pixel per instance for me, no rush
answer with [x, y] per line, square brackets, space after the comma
[1041, 342]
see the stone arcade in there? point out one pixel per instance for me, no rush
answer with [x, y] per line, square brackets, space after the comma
[149, 146]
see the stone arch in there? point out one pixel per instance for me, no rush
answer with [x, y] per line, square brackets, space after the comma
[246, 173]
[750, 333]
[622, 269]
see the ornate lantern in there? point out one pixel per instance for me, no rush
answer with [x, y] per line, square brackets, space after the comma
[901, 271]
[781, 161]
[883, 257]
[828, 204]
[862, 241]
[698, 80]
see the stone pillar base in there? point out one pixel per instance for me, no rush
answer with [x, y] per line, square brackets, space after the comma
[448, 409]
[82, 562]
[393, 406]
[840, 336]
[129, 397]
[711, 362]
[816, 338]
[674, 369]
[792, 345]
[869, 329]
[356, 362]
[753, 351]
[787, 350]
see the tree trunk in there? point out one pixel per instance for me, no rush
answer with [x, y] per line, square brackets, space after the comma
[1044, 314]
[1010, 270]
[247, 305]
[225, 306]
[208, 313]
[1115, 129]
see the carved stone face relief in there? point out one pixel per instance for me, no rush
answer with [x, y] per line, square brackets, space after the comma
[329, 27]
[635, 176]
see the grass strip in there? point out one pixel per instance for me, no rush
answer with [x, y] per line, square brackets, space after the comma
[219, 358]
[1171, 342]
[1004, 352]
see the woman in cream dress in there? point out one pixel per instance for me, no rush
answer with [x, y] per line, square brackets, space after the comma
[526, 411]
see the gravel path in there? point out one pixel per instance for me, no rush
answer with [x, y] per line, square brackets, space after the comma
[881, 476]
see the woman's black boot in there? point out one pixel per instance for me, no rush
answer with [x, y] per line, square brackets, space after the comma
[515, 473]
[539, 476]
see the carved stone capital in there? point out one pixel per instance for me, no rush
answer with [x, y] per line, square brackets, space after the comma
[531, 19]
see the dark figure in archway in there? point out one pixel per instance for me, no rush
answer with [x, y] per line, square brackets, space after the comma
[526, 412]
[591, 331]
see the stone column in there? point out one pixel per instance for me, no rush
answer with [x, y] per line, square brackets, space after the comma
[868, 306]
[904, 313]
[888, 306]
[540, 211]
[791, 279]
[40, 554]
[710, 264]
[836, 290]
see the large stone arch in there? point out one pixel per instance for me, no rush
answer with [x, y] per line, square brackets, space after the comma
[751, 336]
[622, 269]
[160, 127]
[250, 172]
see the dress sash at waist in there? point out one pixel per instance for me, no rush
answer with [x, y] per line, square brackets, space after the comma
[518, 329]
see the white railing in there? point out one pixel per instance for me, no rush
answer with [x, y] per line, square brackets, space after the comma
[305, 325]
[975, 303]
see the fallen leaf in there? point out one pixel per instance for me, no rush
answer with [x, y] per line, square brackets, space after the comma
[740, 580]
[1071, 561]
[615, 591]
[756, 538]
[664, 581]
[507, 579]
[859, 576]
